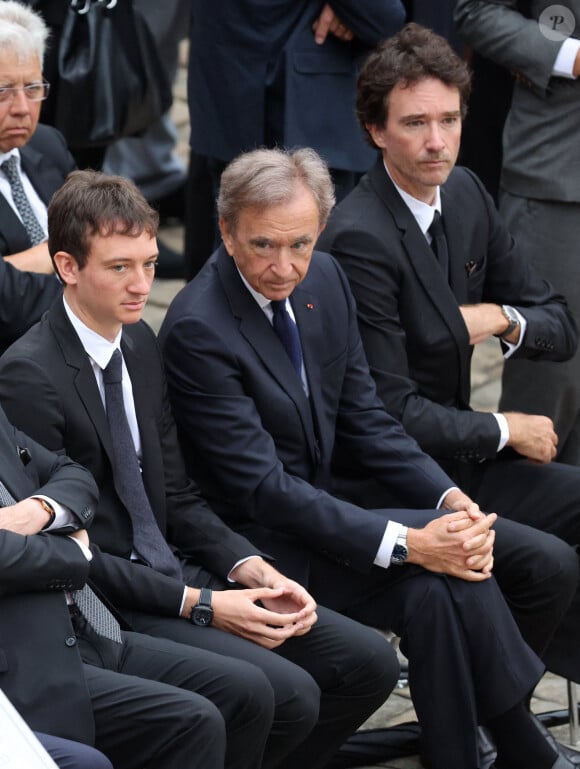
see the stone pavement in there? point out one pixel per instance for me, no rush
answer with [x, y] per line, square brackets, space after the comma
[486, 372]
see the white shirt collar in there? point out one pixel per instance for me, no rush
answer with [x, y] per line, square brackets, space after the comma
[422, 212]
[263, 302]
[96, 346]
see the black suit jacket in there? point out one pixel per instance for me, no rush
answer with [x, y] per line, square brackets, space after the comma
[413, 333]
[40, 666]
[24, 296]
[48, 385]
[261, 449]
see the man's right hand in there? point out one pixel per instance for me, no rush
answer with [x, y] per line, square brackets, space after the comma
[455, 544]
[532, 436]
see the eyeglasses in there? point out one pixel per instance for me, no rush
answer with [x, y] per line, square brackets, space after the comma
[32, 91]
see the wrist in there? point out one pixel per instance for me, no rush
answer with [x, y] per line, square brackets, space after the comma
[48, 509]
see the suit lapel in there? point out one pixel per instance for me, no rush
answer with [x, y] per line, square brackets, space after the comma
[44, 180]
[455, 241]
[258, 332]
[422, 259]
[84, 378]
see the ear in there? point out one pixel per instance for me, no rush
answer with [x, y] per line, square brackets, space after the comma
[226, 237]
[377, 134]
[67, 267]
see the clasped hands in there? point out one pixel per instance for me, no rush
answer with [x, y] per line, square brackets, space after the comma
[458, 543]
[275, 609]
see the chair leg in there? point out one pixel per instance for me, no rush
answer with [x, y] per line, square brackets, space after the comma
[573, 711]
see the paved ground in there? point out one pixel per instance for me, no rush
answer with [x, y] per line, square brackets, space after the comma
[486, 372]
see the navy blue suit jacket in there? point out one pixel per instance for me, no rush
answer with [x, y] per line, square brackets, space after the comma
[242, 51]
[261, 450]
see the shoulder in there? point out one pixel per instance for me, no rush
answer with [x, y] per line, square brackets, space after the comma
[47, 139]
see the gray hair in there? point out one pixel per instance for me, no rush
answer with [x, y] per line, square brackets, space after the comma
[266, 177]
[22, 31]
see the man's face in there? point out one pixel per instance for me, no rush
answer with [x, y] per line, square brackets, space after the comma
[18, 116]
[420, 140]
[113, 286]
[272, 246]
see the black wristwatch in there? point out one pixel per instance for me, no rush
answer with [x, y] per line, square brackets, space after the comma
[512, 318]
[400, 551]
[202, 613]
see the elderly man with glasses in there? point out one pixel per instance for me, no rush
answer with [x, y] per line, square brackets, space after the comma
[34, 161]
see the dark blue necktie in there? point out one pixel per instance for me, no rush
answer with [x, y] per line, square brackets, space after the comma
[287, 330]
[439, 242]
[148, 540]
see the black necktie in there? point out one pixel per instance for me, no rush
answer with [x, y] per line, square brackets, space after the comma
[148, 540]
[92, 608]
[29, 220]
[439, 242]
[287, 330]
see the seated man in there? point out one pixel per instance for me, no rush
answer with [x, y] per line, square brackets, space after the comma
[265, 389]
[419, 318]
[67, 667]
[34, 162]
[325, 677]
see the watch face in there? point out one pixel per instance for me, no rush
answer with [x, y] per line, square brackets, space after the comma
[202, 615]
[399, 554]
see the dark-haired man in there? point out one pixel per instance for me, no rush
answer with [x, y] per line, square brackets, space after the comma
[425, 297]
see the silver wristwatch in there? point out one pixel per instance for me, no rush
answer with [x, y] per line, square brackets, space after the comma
[400, 550]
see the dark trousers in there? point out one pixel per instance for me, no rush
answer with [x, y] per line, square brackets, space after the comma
[324, 684]
[166, 706]
[68, 754]
[546, 497]
[467, 659]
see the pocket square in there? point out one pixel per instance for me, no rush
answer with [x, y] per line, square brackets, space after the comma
[470, 267]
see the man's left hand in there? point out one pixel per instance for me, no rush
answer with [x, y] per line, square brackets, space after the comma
[329, 23]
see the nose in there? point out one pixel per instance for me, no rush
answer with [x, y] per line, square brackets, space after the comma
[141, 282]
[435, 137]
[19, 104]
[283, 265]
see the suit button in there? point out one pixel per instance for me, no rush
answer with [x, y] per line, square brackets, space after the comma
[70, 640]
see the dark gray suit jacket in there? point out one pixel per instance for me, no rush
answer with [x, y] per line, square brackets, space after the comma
[40, 665]
[414, 335]
[541, 148]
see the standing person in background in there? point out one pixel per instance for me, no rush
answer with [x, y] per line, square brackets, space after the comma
[281, 73]
[540, 179]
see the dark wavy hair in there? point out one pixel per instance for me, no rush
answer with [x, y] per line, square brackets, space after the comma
[91, 203]
[415, 54]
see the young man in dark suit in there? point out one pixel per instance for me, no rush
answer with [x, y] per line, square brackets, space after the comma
[327, 673]
[269, 382]
[419, 319]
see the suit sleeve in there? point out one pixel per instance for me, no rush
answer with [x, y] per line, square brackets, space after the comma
[24, 297]
[41, 562]
[497, 30]
[371, 22]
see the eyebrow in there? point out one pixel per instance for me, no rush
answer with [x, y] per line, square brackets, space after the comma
[420, 115]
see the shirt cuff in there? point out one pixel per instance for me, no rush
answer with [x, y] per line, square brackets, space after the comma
[511, 348]
[182, 601]
[383, 557]
[504, 431]
[86, 552]
[445, 493]
[63, 516]
[564, 64]
[238, 563]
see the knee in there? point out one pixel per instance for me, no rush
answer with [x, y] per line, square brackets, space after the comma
[561, 565]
